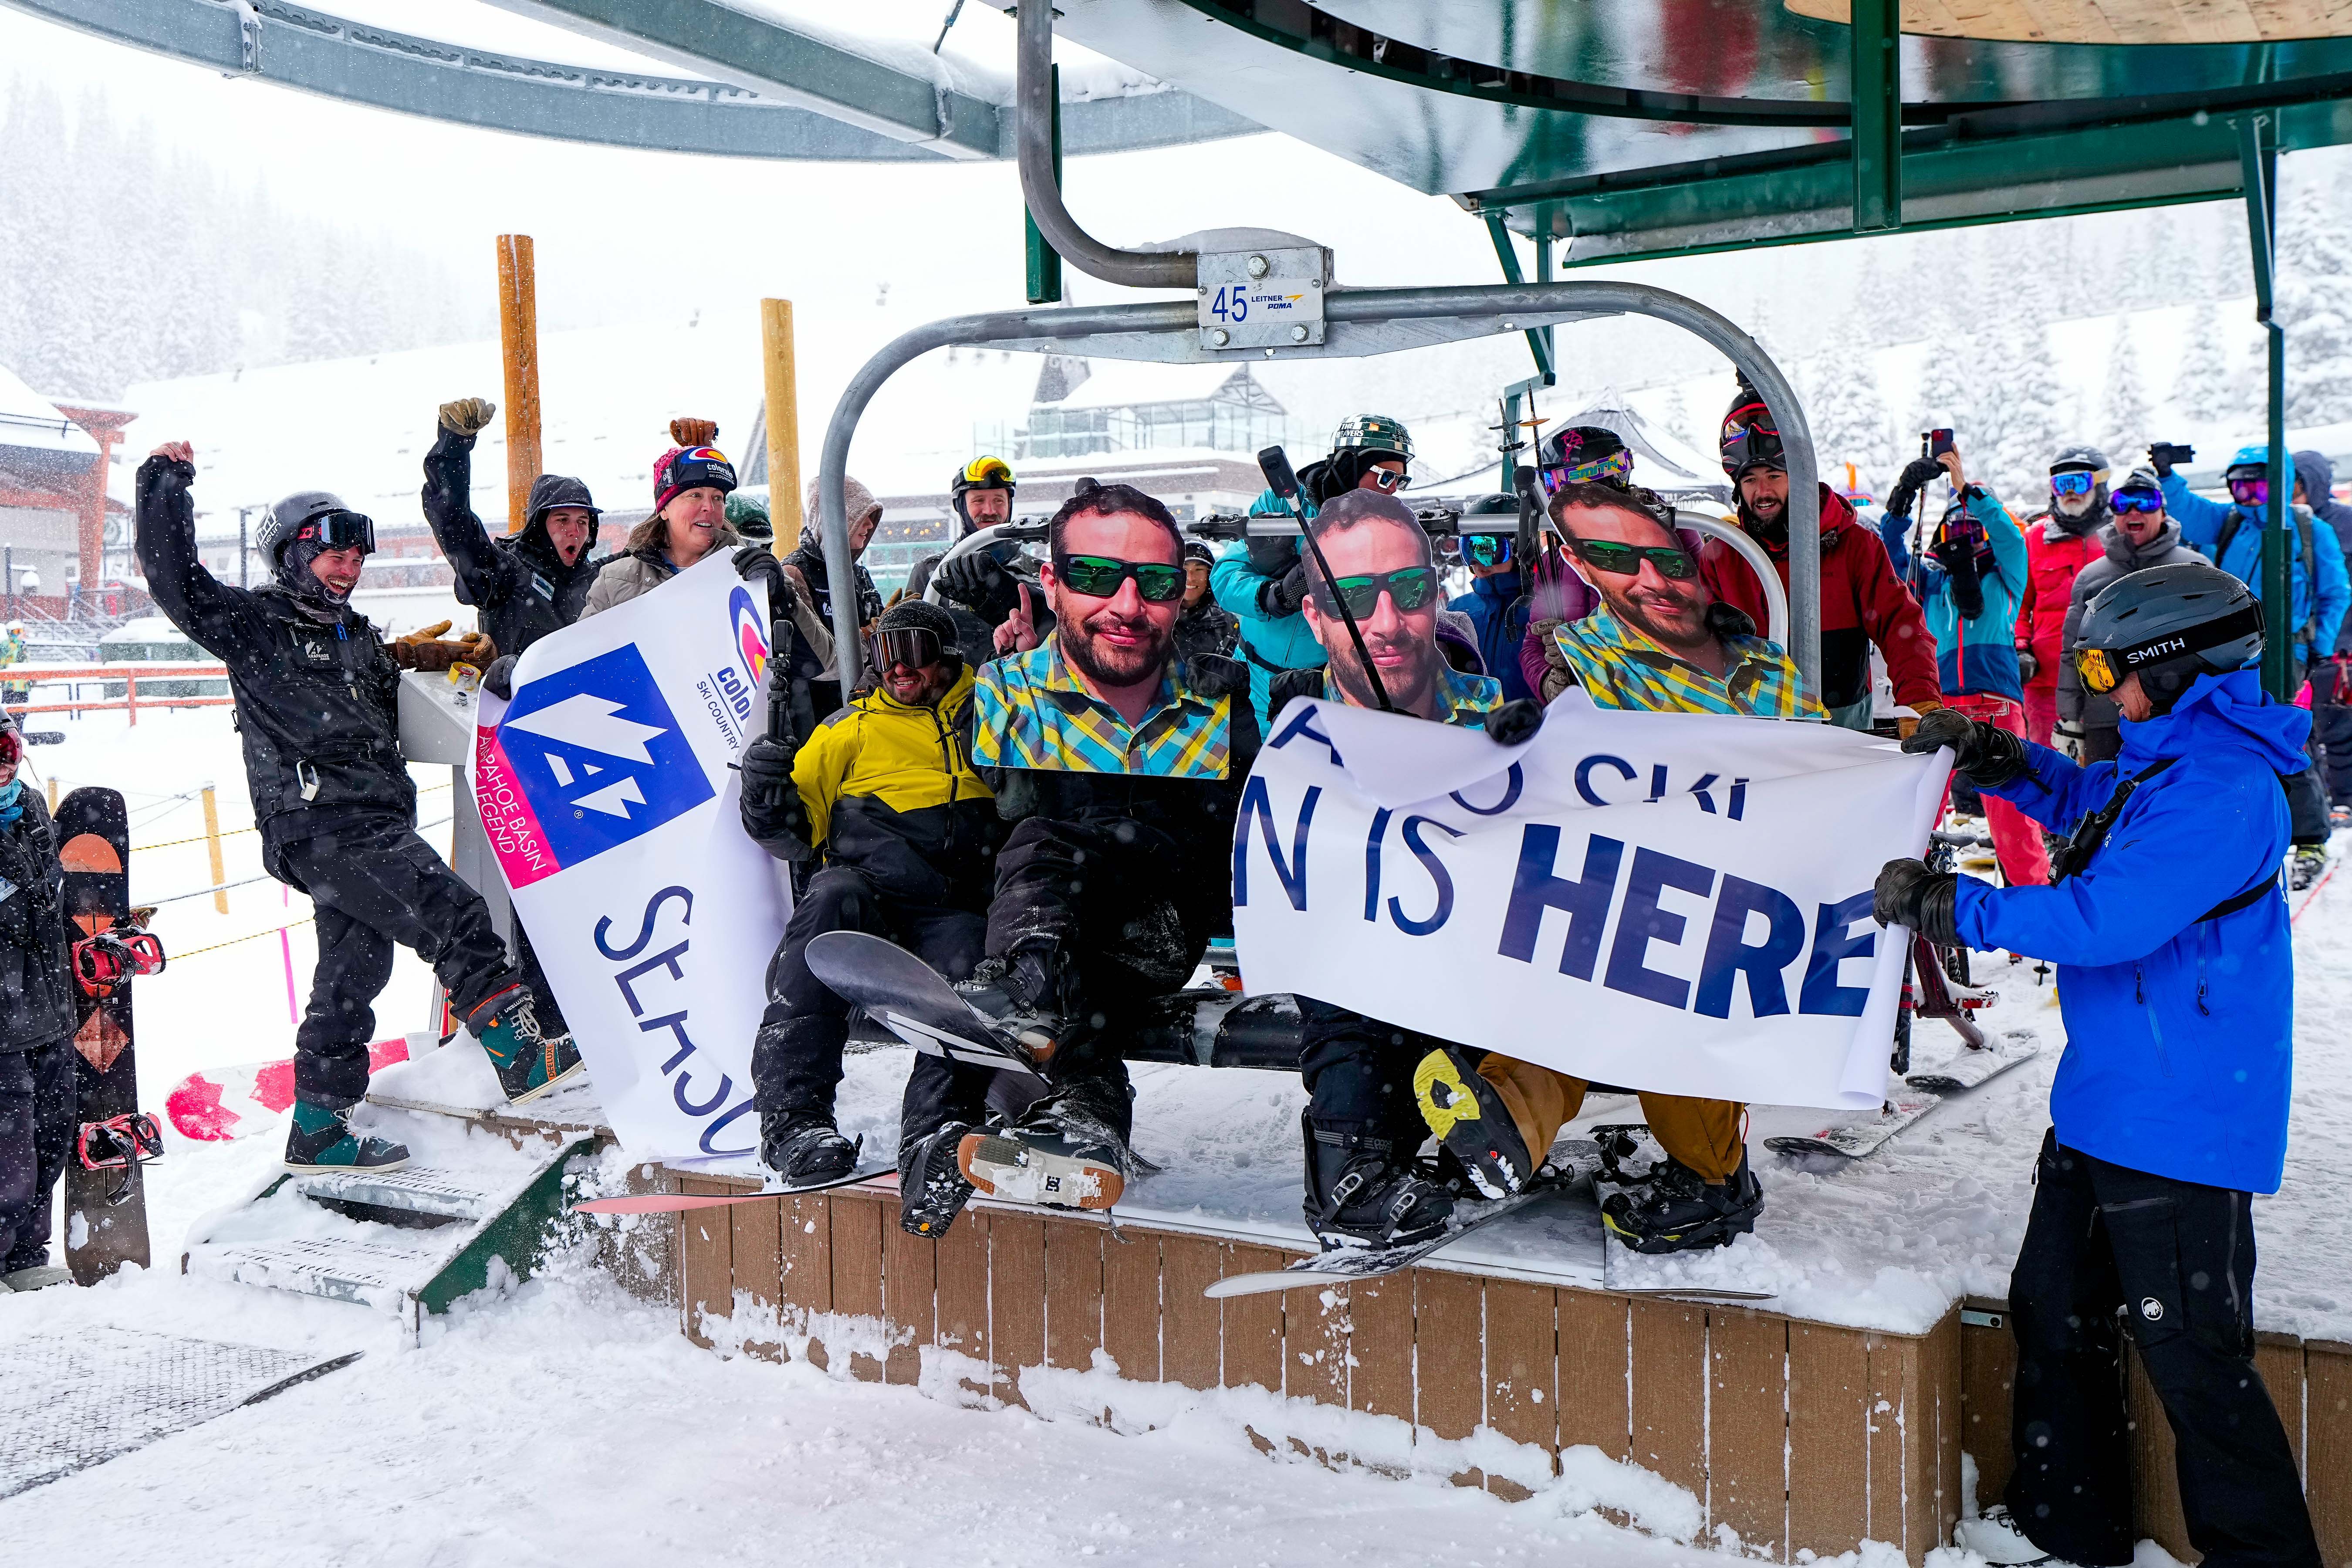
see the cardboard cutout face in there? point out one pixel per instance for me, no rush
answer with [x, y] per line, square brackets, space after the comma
[1381, 562]
[1671, 611]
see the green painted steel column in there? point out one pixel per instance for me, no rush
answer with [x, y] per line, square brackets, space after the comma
[1538, 340]
[1044, 261]
[1876, 41]
[2258, 155]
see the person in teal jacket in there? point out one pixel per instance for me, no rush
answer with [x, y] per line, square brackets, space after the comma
[1262, 581]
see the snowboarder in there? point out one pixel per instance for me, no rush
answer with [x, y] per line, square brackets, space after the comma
[1361, 1129]
[1970, 576]
[2140, 536]
[1119, 771]
[2170, 1110]
[1205, 626]
[316, 705]
[691, 481]
[1261, 580]
[1495, 604]
[2059, 543]
[1864, 604]
[2318, 592]
[38, 1115]
[885, 792]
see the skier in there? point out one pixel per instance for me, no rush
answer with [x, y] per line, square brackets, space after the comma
[691, 481]
[38, 1094]
[2170, 1110]
[1263, 579]
[2331, 719]
[316, 702]
[2059, 543]
[1120, 770]
[981, 495]
[2140, 536]
[2317, 594]
[806, 567]
[1660, 643]
[1864, 604]
[1497, 608]
[1360, 1125]
[1971, 577]
[1205, 626]
[885, 791]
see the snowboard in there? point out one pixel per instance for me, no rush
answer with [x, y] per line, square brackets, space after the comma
[679, 1202]
[1617, 1256]
[222, 1103]
[105, 1211]
[1929, 1088]
[910, 999]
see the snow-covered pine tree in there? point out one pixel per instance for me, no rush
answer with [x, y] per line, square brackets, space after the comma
[2204, 382]
[2315, 304]
[2126, 410]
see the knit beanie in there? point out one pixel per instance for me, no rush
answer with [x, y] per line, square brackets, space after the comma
[919, 615]
[857, 501]
[691, 467]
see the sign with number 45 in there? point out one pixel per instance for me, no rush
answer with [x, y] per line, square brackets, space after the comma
[1266, 299]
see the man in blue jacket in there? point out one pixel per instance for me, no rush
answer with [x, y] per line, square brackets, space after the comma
[2170, 1110]
[1493, 604]
[2317, 594]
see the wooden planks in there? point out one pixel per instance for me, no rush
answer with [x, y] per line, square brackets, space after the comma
[1748, 1481]
[959, 1291]
[858, 1270]
[1131, 1283]
[1316, 1334]
[2327, 1453]
[1523, 1363]
[1988, 1370]
[1191, 1332]
[1073, 1293]
[1016, 1298]
[757, 1270]
[1380, 1346]
[1669, 1392]
[909, 1285]
[1448, 1322]
[706, 1257]
[1829, 1376]
[1595, 1370]
[1252, 1324]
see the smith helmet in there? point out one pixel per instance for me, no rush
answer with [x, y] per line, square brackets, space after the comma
[2168, 625]
[312, 514]
[1372, 433]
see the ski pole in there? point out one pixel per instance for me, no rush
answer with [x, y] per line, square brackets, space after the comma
[1275, 463]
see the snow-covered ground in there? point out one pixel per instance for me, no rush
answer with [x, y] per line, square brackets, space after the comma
[566, 1422]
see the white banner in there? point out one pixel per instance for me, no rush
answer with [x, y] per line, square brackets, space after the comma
[1668, 902]
[607, 789]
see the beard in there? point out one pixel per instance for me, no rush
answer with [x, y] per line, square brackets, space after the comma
[1408, 686]
[1640, 614]
[1109, 666]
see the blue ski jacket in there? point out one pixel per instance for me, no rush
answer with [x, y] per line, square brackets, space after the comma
[1268, 646]
[2179, 1029]
[1980, 654]
[1493, 607]
[2204, 522]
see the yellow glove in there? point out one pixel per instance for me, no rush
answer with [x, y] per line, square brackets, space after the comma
[469, 415]
[688, 432]
[425, 634]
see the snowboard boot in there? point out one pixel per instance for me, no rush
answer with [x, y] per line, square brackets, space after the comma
[1021, 996]
[1469, 1117]
[528, 1063]
[1995, 1538]
[321, 1139]
[35, 1277]
[1058, 1154]
[2304, 867]
[1360, 1194]
[932, 1187]
[806, 1150]
[1678, 1211]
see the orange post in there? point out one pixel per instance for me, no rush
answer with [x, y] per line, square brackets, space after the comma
[212, 847]
[784, 424]
[519, 337]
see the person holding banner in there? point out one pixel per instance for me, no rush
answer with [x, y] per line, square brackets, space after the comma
[1121, 769]
[2169, 1109]
[885, 791]
[1660, 642]
[691, 481]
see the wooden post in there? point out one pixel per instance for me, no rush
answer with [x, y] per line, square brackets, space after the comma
[53, 797]
[518, 339]
[783, 425]
[212, 848]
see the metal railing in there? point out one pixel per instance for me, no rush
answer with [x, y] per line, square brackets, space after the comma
[73, 677]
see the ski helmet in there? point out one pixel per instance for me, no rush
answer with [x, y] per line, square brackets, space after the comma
[2087, 458]
[312, 514]
[2075, 474]
[980, 474]
[1483, 549]
[1582, 454]
[2168, 625]
[1751, 437]
[1375, 434]
[2251, 463]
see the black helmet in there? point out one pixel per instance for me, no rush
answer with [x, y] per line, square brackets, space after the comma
[1751, 437]
[338, 527]
[980, 474]
[2168, 625]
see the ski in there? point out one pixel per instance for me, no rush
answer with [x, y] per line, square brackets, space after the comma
[679, 1202]
[912, 999]
[105, 1203]
[1929, 1086]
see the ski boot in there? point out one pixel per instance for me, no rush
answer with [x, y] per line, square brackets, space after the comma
[804, 1150]
[1995, 1538]
[2308, 861]
[1359, 1196]
[1058, 1154]
[1020, 995]
[1469, 1117]
[35, 1277]
[1679, 1212]
[932, 1187]
[321, 1139]
[528, 1063]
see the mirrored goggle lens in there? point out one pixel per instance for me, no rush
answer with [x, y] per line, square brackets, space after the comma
[342, 530]
[913, 646]
[1485, 548]
[2097, 672]
[1625, 560]
[2073, 482]
[2251, 492]
[1098, 577]
[1613, 469]
[987, 472]
[11, 747]
[2137, 500]
[1412, 588]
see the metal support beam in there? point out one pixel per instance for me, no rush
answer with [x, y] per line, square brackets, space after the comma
[1538, 338]
[1875, 41]
[1044, 261]
[2258, 151]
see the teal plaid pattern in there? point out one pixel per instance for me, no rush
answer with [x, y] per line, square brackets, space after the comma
[1619, 667]
[1032, 711]
[1463, 700]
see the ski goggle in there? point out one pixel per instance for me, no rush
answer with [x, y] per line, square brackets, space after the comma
[2135, 500]
[2097, 670]
[1625, 560]
[341, 531]
[1388, 481]
[1487, 549]
[1098, 577]
[1750, 441]
[1611, 470]
[2251, 492]
[2073, 482]
[12, 745]
[1413, 588]
[988, 473]
[917, 647]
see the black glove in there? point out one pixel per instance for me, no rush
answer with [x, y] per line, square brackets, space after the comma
[1917, 473]
[1956, 554]
[1986, 755]
[1281, 598]
[2164, 454]
[498, 679]
[757, 563]
[2028, 666]
[1515, 721]
[973, 579]
[1729, 621]
[768, 767]
[1908, 894]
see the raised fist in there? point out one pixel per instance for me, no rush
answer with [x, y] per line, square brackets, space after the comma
[469, 415]
[688, 432]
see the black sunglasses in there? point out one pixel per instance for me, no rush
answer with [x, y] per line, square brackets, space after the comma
[1098, 577]
[1625, 560]
[917, 647]
[1412, 588]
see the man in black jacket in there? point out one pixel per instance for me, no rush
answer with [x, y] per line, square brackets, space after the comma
[317, 704]
[36, 1025]
[527, 586]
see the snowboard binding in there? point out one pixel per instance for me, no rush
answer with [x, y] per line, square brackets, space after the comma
[121, 1143]
[104, 963]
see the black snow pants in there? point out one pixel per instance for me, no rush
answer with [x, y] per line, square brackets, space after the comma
[2331, 729]
[1120, 913]
[796, 1059]
[376, 885]
[1359, 1074]
[37, 1133]
[2176, 1260]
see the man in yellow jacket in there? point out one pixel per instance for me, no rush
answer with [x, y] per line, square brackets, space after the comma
[884, 795]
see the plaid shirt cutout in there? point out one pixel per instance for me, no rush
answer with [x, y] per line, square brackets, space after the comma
[1619, 667]
[1463, 700]
[1031, 711]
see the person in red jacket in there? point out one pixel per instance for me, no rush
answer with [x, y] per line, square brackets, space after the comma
[1863, 601]
[2058, 544]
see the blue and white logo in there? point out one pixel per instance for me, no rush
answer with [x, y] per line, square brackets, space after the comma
[599, 755]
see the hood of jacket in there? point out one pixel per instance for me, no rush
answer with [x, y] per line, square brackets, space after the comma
[2222, 711]
[2132, 557]
[2318, 477]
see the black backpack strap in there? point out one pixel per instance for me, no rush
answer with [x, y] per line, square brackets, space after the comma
[2093, 830]
[2247, 900]
[2230, 526]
